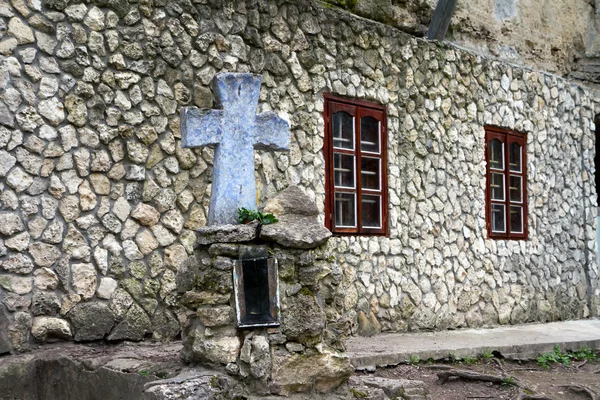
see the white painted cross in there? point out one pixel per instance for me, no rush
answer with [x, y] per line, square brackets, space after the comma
[236, 131]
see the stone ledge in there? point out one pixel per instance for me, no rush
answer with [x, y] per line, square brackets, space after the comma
[208, 235]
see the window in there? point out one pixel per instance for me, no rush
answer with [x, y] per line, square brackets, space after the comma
[506, 197]
[355, 166]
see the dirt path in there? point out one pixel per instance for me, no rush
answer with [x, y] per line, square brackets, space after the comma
[547, 382]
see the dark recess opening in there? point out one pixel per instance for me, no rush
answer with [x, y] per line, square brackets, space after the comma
[256, 292]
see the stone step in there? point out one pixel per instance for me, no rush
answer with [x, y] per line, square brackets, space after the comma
[513, 342]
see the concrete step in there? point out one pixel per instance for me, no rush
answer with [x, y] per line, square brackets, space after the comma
[513, 342]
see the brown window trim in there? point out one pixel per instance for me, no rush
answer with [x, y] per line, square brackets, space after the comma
[506, 136]
[357, 108]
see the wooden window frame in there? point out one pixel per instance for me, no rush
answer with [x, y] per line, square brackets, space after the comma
[357, 108]
[506, 137]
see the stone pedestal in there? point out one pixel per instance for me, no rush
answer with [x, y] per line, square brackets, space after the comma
[302, 354]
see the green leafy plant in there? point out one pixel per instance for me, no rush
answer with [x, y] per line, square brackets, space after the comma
[555, 357]
[584, 353]
[143, 372]
[245, 216]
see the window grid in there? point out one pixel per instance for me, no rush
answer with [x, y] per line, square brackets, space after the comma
[506, 184]
[369, 191]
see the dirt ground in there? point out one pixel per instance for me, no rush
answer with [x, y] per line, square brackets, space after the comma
[546, 383]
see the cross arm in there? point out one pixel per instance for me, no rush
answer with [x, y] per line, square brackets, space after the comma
[200, 127]
[272, 132]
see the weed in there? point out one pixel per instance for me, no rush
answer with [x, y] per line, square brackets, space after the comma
[452, 357]
[413, 360]
[510, 381]
[430, 360]
[143, 372]
[487, 354]
[584, 353]
[469, 360]
[556, 357]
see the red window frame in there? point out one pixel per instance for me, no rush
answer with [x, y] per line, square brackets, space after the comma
[358, 109]
[506, 137]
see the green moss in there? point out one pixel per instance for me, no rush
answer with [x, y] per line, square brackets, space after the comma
[5, 282]
[349, 5]
[306, 291]
[358, 394]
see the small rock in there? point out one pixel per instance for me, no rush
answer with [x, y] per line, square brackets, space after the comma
[45, 328]
[145, 214]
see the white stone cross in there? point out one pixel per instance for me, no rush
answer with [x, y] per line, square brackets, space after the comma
[235, 130]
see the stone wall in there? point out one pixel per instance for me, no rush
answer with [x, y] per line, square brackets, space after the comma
[99, 202]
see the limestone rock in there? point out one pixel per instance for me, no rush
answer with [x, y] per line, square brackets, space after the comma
[145, 214]
[53, 110]
[227, 233]
[303, 318]
[4, 321]
[260, 357]
[18, 263]
[134, 326]
[106, 288]
[299, 372]
[20, 31]
[10, 223]
[19, 242]
[16, 284]
[91, 321]
[394, 388]
[7, 161]
[223, 350]
[45, 328]
[84, 280]
[45, 279]
[215, 315]
[298, 226]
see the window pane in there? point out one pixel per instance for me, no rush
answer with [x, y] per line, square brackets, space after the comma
[345, 210]
[496, 154]
[343, 130]
[497, 186]
[343, 170]
[369, 134]
[371, 211]
[515, 157]
[370, 173]
[516, 219]
[516, 189]
[498, 218]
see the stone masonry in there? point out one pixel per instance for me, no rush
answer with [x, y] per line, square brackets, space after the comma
[99, 202]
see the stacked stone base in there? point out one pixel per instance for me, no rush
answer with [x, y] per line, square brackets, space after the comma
[293, 357]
